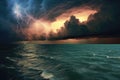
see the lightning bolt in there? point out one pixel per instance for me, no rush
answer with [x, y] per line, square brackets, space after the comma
[17, 11]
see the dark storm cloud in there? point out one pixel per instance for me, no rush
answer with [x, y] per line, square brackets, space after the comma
[57, 7]
[105, 23]
[75, 29]
[72, 29]
[5, 31]
[8, 22]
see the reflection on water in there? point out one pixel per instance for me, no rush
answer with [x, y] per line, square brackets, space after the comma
[59, 62]
[33, 64]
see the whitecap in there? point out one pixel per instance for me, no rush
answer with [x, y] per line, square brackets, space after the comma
[46, 75]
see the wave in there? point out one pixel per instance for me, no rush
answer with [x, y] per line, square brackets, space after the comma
[46, 75]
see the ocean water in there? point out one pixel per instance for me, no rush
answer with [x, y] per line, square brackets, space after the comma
[60, 62]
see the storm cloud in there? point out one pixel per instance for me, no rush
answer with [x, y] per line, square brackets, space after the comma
[104, 23]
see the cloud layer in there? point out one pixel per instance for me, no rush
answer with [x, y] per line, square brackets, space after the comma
[17, 16]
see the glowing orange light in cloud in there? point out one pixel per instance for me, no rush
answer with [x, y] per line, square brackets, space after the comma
[41, 27]
[38, 28]
[81, 14]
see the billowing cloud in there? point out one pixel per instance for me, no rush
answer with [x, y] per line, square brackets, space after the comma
[58, 19]
[104, 23]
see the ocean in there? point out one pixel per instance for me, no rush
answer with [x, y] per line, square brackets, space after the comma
[32, 61]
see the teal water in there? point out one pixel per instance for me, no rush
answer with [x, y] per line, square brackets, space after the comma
[60, 62]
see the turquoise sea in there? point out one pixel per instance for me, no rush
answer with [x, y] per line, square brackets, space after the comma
[60, 61]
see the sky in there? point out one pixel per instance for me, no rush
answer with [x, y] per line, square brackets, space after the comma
[84, 21]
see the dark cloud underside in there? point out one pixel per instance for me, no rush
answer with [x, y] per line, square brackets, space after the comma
[103, 24]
